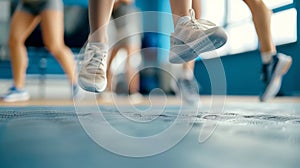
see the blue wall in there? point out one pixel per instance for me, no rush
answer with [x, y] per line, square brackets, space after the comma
[76, 2]
[242, 70]
[243, 73]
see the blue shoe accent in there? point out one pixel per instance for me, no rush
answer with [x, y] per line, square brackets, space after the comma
[14, 95]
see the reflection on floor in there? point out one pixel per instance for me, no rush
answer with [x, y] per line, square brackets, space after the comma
[57, 92]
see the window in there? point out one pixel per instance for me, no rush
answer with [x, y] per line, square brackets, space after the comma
[236, 17]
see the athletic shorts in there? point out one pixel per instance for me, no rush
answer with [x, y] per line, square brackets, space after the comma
[128, 25]
[35, 7]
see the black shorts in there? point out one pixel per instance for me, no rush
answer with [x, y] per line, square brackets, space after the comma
[35, 7]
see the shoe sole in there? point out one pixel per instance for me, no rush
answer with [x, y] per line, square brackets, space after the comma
[85, 86]
[189, 51]
[12, 100]
[283, 65]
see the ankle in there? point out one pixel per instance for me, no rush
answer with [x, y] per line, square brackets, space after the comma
[267, 56]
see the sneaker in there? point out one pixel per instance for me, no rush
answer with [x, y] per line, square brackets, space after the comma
[15, 95]
[92, 74]
[136, 98]
[188, 89]
[272, 75]
[108, 96]
[193, 37]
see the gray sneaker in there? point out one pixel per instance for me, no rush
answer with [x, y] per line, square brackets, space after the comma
[193, 37]
[272, 75]
[92, 74]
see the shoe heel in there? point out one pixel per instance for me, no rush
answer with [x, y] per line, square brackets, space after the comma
[287, 61]
[287, 67]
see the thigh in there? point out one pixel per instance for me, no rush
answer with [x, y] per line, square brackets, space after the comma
[52, 23]
[22, 24]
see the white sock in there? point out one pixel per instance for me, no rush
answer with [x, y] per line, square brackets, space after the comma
[267, 56]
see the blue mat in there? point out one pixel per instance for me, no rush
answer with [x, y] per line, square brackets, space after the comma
[247, 135]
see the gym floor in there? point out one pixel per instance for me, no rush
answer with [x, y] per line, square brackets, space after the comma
[48, 131]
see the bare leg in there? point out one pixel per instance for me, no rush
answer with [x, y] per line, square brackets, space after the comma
[109, 72]
[188, 67]
[22, 25]
[262, 20]
[196, 5]
[271, 72]
[53, 35]
[180, 8]
[132, 75]
[99, 15]
[93, 77]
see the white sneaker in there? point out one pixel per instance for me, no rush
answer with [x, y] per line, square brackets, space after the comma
[15, 95]
[136, 98]
[92, 74]
[193, 37]
[272, 75]
[188, 89]
[108, 96]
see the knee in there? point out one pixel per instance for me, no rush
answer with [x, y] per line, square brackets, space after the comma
[258, 8]
[54, 48]
[14, 41]
[254, 3]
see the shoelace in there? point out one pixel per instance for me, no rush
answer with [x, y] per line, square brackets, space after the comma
[200, 23]
[95, 57]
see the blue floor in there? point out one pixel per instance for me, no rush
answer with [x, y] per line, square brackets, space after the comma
[257, 135]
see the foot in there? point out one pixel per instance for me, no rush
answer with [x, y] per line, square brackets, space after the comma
[14, 95]
[136, 97]
[193, 37]
[272, 75]
[92, 75]
[188, 89]
[108, 96]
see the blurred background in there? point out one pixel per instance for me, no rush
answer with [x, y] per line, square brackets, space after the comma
[240, 56]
